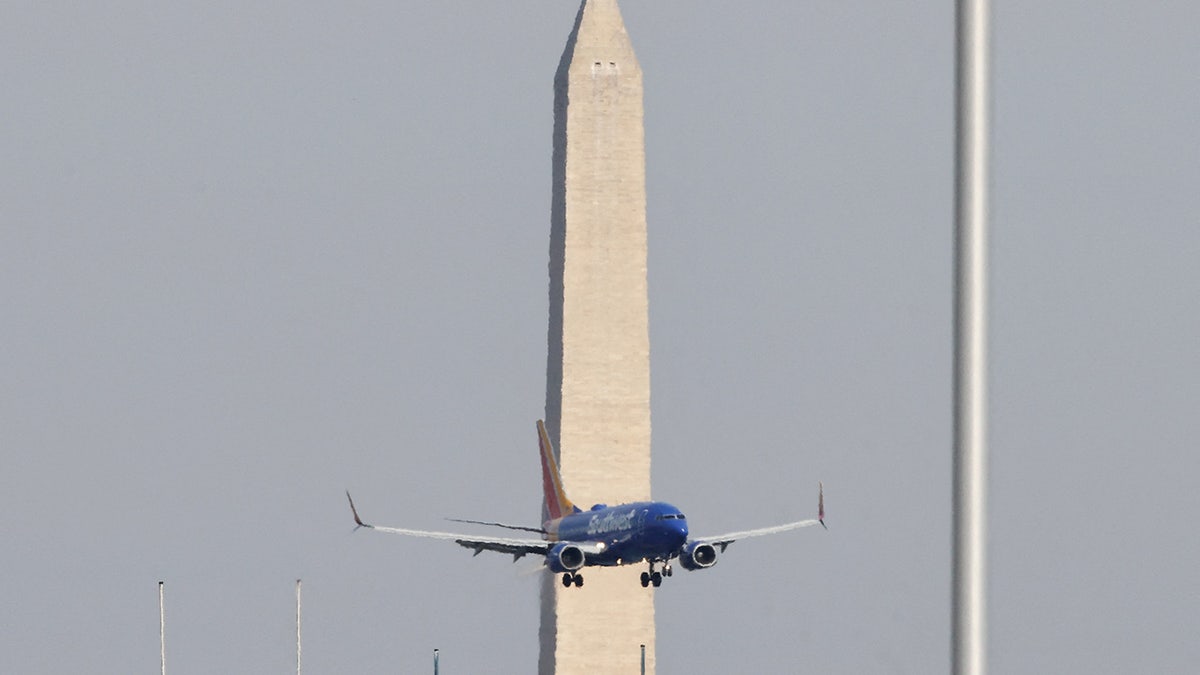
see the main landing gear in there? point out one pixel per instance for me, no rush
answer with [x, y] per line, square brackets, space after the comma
[655, 578]
[569, 578]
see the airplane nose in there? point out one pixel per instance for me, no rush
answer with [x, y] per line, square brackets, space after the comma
[681, 530]
[671, 533]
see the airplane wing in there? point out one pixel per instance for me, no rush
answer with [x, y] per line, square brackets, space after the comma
[514, 547]
[506, 526]
[724, 540]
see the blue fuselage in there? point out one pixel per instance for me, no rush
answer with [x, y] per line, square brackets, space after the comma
[630, 532]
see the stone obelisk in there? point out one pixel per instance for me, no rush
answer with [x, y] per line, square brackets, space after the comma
[598, 374]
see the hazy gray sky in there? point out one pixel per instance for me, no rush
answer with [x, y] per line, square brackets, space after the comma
[251, 256]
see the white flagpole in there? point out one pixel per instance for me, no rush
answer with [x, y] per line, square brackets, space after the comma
[969, 628]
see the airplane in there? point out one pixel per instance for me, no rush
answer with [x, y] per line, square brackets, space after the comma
[653, 533]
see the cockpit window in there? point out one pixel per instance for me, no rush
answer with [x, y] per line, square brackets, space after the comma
[671, 516]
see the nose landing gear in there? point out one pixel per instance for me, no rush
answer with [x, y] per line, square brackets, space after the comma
[569, 578]
[655, 578]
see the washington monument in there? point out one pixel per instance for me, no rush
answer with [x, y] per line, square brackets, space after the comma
[598, 369]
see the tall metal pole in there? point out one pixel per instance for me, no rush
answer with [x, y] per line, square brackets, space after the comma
[969, 649]
[643, 659]
[435, 662]
[162, 630]
[297, 627]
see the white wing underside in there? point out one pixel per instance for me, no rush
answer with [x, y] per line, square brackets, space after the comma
[451, 536]
[516, 547]
[724, 540]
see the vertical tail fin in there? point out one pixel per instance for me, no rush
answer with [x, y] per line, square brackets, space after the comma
[557, 504]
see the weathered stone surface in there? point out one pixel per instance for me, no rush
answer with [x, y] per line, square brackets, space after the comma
[598, 374]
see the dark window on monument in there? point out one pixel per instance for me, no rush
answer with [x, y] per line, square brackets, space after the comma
[598, 68]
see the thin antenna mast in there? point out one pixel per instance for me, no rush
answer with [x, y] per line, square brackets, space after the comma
[297, 627]
[162, 630]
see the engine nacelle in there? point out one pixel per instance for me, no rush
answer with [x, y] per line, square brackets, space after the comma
[564, 557]
[697, 555]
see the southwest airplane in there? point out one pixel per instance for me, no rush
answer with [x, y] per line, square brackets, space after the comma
[629, 534]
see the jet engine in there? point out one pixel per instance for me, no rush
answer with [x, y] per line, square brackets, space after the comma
[564, 557]
[697, 555]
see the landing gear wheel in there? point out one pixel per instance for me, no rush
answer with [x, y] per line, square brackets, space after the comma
[656, 579]
[645, 579]
[578, 580]
[567, 576]
[667, 571]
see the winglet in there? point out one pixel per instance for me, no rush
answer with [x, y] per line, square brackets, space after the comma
[820, 504]
[358, 521]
